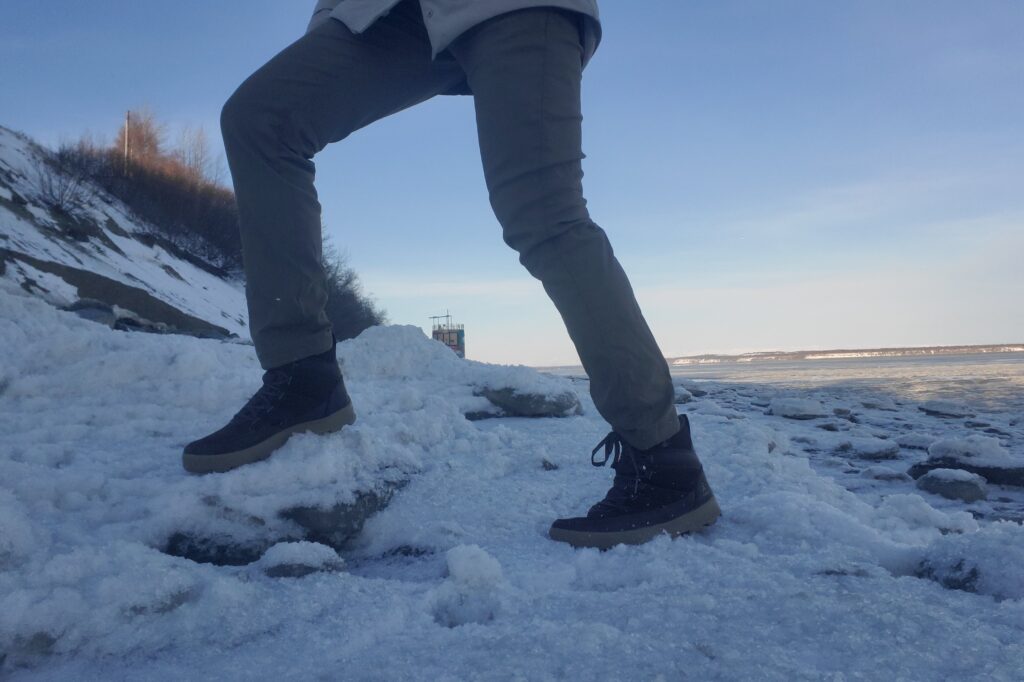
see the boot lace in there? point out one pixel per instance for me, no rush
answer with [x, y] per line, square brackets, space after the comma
[265, 399]
[625, 487]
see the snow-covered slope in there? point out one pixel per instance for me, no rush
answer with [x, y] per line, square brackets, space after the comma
[100, 250]
[807, 575]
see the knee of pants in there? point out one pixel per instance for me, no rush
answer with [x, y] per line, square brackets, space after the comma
[538, 222]
[547, 251]
[253, 117]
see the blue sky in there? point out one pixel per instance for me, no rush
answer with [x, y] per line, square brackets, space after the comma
[780, 175]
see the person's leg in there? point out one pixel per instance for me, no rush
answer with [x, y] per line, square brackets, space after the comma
[318, 90]
[524, 69]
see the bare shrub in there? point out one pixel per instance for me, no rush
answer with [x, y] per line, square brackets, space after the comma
[348, 309]
[62, 179]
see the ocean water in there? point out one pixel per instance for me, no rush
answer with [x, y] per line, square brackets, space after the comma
[993, 382]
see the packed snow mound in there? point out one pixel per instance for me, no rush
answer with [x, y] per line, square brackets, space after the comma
[413, 364]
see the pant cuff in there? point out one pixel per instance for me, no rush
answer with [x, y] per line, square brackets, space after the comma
[642, 439]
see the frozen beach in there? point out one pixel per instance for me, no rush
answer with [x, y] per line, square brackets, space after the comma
[830, 562]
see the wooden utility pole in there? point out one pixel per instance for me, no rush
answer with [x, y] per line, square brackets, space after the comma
[127, 132]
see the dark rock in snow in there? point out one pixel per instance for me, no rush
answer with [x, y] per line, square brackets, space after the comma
[334, 527]
[1011, 475]
[95, 311]
[337, 525]
[954, 484]
[217, 551]
[958, 576]
[515, 404]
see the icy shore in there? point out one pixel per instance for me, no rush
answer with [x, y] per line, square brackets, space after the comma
[826, 563]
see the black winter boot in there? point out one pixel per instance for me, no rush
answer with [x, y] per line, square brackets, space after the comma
[305, 395]
[659, 490]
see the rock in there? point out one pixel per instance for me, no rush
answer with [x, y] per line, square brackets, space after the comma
[516, 404]
[954, 484]
[977, 454]
[336, 526]
[829, 426]
[682, 395]
[945, 408]
[137, 301]
[95, 311]
[548, 465]
[1011, 476]
[868, 447]
[220, 551]
[796, 408]
[248, 539]
[841, 412]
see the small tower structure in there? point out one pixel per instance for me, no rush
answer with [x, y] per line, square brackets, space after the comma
[450, 334]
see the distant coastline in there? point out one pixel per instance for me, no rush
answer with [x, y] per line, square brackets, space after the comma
[845, 354]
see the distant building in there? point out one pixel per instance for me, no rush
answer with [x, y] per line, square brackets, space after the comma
[448, 333]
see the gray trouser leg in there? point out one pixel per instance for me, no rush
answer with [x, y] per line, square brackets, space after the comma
[321, 88]
[525, 70]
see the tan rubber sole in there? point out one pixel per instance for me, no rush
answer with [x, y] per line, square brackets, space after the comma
[702, 516]
[208, 464]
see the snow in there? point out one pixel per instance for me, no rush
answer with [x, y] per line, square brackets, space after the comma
[955, 475]
[285, 557]
[197, 292]
[989, 561]
[814, 571]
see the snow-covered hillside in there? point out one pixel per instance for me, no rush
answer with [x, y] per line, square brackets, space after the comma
[828, 563]
[100, 252]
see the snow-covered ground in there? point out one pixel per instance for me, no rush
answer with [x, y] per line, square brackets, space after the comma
[826, 564]
[116, 250]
